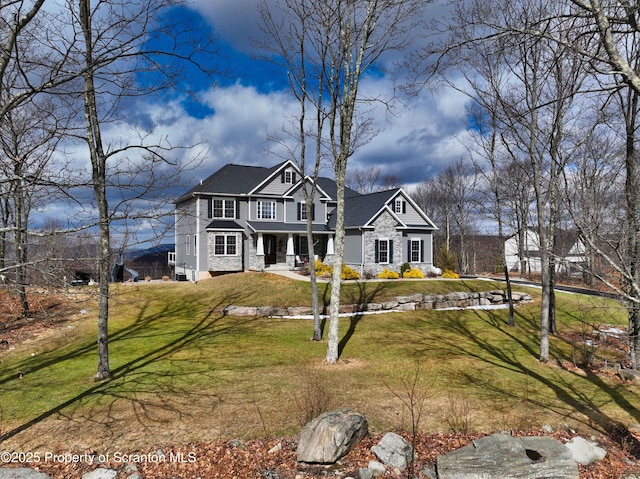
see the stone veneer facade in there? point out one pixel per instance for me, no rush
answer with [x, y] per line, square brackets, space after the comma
[384, 229]
[224, 263]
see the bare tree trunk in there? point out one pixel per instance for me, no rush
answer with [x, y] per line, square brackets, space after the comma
[333, 338]
[98, 175]
[632, 198]
[20, 213]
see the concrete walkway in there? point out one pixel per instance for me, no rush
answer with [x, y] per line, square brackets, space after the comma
[295, 276]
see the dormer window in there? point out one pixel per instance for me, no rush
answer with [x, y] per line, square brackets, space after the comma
[400, 206]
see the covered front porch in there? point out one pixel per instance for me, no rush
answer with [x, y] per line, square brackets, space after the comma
[289, 250]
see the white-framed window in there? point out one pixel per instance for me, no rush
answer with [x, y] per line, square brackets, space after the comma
[288, 176]
[415, 251]
[225, 245]
[266, 210]
[188, 245]
[223, 209]
[383, 251]
[303, 211]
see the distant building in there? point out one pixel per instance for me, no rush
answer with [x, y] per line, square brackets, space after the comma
[569, 254]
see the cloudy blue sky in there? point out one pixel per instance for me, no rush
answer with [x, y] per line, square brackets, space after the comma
[236, 116]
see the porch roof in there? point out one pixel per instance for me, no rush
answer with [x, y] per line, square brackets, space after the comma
[281, 227]
[224, 225]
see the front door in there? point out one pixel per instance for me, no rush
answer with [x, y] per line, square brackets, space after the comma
[269, 249]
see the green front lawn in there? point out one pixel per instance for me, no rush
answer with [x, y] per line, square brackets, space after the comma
[184, 372]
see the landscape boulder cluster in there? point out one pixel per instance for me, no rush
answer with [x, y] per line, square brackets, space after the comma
[332, 435]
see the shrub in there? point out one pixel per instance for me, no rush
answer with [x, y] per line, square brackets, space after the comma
[404, 268]
[446, 259]
[323, 269]
[314, 396]
[450, 274]
[413, 273]
[387, 274]
[349, 273]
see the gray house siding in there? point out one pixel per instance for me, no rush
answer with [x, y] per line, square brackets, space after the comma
[353, 250]
[411, 217]
[425, 255]
[293, 209]
[185, 231]
[279, 185]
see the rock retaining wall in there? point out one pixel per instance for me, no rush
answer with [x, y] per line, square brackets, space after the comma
[410, 302]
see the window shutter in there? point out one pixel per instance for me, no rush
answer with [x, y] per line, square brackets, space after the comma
[299, 211]
[422, 251]
[404, 207]
[293, 178]
[409, 251]
[282, 177]
[209, 207]
[377, 260]
[236, 207]
[313, 212]
[390, 251]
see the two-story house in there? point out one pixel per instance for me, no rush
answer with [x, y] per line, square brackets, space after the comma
[254, 218]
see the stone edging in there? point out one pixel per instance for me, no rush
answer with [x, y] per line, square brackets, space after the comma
[412, 302]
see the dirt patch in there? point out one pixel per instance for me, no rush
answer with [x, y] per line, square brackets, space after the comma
[49, 312]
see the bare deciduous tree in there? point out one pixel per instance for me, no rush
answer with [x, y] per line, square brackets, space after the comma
[371, 179]
[349, 36]
[115, 51]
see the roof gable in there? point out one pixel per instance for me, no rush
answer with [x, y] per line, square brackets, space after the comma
[363, 210]
[274, 182]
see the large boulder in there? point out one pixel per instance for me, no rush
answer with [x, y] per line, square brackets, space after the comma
[394, 450]
[331, 436]
[585, 452]
[502, 456]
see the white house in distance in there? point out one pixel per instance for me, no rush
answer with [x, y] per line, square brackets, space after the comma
[254, 218]
[570, 253]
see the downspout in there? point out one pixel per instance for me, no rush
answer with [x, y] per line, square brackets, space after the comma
[175, 241]
[197, 241]
[362, 253]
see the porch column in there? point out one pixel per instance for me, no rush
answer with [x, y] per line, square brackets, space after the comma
[290, 250]
[330, 249]
[260, 246]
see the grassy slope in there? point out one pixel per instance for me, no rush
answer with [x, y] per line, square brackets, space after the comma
[183, 372]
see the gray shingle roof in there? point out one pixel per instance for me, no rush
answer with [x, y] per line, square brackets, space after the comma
[329, 187]
[360, 209]
[232, 180]
[224, 225]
